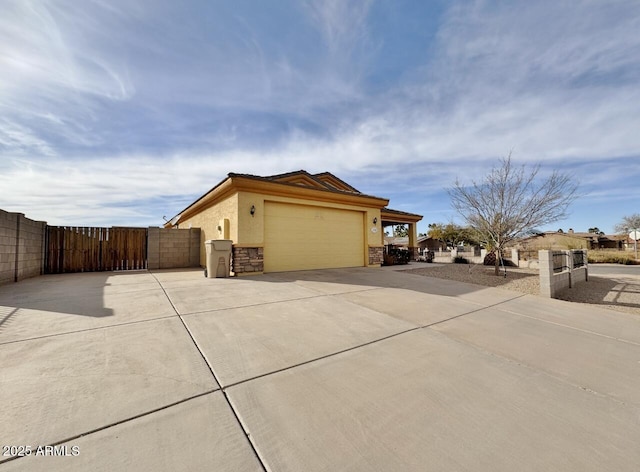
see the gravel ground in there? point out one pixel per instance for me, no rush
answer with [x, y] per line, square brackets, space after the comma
[613, 292]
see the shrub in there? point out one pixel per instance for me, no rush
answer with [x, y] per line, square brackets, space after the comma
[611, 257]
[396, 256]
[460, 260]
[490, 259]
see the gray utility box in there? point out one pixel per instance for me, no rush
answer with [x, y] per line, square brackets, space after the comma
[218, 257]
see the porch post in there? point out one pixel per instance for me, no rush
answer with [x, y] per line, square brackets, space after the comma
[413, 238]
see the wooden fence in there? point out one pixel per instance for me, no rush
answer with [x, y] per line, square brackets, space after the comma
[88, 249]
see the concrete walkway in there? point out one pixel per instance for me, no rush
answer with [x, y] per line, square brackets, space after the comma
[335, 370]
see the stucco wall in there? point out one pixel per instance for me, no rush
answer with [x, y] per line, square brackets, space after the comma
[247, 230]
[209, 219]
[21, 247]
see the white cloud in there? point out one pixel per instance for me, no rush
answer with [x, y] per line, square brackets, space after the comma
[556, 82]
[45, 46]
[53, 75]
[343, 25]
[561, 69]
[550, 79]
[19, 140]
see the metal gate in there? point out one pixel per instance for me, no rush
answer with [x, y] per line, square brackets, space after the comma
[89, 249]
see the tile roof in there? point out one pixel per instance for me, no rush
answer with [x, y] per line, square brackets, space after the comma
[301, 178]
[398, 212]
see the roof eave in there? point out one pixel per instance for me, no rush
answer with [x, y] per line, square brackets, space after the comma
[396, 216]
[247, 183]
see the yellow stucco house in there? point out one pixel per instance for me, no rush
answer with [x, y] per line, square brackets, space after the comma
[294, 221]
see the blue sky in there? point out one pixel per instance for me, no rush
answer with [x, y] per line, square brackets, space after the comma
[119, 112]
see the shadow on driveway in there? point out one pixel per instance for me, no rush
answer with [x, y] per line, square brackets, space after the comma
[617, 293]
[344, 280]
[55, 304]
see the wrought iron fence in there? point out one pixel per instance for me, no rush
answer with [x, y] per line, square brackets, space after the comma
[528, 254]
[559, 261]
[579, 259]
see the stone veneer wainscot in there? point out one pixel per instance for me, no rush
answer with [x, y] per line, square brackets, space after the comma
[247, 260]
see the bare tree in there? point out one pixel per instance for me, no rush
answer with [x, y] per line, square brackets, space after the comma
[628, 224]
[510, 202]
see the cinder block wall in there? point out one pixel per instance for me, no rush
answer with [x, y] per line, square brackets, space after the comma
[552, 283]
[173, 248]
[21, 247]
[8, 231]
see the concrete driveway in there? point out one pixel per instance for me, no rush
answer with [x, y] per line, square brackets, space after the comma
[335, 370]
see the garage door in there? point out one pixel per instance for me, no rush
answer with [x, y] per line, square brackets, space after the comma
[299, 237]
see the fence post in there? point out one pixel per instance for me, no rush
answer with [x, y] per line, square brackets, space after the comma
[545, 268]
[43, 252]
[153, 248]
[194, 247]
[586, 265]
[583, 265]
[16, 264]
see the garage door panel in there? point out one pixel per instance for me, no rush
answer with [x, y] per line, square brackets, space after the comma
[299, 237]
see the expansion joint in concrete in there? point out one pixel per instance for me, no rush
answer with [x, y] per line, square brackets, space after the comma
[204, 358]
[327, 356]
[116, 423]
[96, 328]
[472, 311]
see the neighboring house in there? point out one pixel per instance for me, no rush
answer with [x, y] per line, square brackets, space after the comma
[572, 240]
[613, 241]
[431, 244]
[629, 243]
[294, 221]
[397, 241]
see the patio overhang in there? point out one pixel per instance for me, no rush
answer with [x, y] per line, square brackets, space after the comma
[389, 217]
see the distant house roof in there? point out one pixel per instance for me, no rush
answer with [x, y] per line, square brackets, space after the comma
[594, 238]
[396, 241]
[569, 234]
[426, 238]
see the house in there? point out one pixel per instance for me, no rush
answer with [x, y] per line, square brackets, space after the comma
[396, 241]
[425, 243]
[294, 221]
[572, 240]
[612, 241]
